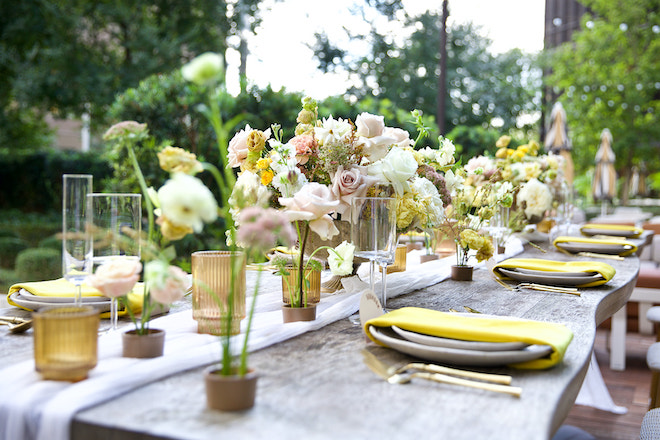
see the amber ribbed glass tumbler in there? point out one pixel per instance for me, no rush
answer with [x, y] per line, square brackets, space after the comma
[65, 342]
[212, 284]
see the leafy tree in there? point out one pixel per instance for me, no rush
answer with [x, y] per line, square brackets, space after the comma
[607, 77]
[483, 89]
[74, 56]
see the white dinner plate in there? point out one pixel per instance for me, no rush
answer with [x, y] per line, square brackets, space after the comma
[29, 303]
[436, 341]
[454, 356]
[60, 299]
[601, 248]
[550, 278]
[563, 274]
[610, 232]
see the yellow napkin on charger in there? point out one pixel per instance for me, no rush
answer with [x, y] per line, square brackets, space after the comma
[62, 288]
[624, 228]
[585, 240]
[604, 269]
[482, 329]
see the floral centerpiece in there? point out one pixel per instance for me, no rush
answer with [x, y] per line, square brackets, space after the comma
[315, 174]
[477, 192]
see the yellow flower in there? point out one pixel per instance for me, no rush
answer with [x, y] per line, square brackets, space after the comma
[264, 163]
[405, 211]
[502, 153]
[503, 142]
[523, 149]
[172, 231]
[256, 140]
[266, 177]
[174, 159]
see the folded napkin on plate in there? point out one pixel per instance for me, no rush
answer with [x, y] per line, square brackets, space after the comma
[634, 231]
[62, 288]
[604, 269]
[627, 247]
[482, 329]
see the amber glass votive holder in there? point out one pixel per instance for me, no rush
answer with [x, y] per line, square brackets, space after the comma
[65, 342]
[212, 281]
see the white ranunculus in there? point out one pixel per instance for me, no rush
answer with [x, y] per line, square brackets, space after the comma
[369, 125]
[446, 152]
[341, 260]
[396, 168]
[185, 200]
[332, 130]
[537, 197]
[207, 68]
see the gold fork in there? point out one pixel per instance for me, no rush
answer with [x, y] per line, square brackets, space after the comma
[382, 370]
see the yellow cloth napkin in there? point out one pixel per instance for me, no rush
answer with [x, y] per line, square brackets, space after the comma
[483, 329]
[62, 288]
[604, 269]
[587, 241]
[624, 228]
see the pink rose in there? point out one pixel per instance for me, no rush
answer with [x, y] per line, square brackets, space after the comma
[173, 288]
[312, 203]
[117, 277]
[238, 150]
[369, 125]
[305, 145]
[350, 183]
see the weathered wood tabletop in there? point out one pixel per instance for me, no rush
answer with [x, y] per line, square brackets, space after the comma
[316, 386]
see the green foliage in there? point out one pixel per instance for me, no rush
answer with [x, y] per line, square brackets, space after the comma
[473, 141]
[607, 77]
[23, 129]
[7, 279]
[35, 178]
[38, 264]
[9, 249]
[52, 242]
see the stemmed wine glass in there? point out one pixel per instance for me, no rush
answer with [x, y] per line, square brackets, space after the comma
[373, 232]
[76, 236]
[117, 225]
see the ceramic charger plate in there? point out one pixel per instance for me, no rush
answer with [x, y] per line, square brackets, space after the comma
[600, 248]
[457, 356]
[611, 232]
[551, 278]
[30, 301]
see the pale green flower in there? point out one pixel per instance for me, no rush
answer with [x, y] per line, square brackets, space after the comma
[341, 260]
[207, 69]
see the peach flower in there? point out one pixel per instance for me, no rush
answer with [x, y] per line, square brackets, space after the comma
[117, 277]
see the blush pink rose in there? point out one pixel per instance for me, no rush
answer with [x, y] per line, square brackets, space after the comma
[369, 125]
[116, 278]
[237, 150]
[174, 287]
[346, 184]
[312, 203]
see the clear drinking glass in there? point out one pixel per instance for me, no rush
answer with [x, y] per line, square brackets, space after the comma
[76, 236]
[373, 232]
[117, 226]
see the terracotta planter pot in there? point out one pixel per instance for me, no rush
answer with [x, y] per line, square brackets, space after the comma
[295, 314]
[428, 257]
[313, 291]
[143, 346]
[461, 273]
[230, 393]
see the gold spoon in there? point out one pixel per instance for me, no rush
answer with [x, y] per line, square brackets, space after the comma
[15, 324]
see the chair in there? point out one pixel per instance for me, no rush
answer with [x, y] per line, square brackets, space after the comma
[650, 425]
[646, 292]
[653, 359]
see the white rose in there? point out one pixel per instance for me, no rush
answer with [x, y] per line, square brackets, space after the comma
[401, 137]
[350, 183]
[117, 277]
[313, 203]
[537, 197]
[369, 125]
[396, 167]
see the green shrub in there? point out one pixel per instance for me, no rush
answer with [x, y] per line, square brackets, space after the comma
[9, 249]
[39, 264]
[7, 279]
[52, 242]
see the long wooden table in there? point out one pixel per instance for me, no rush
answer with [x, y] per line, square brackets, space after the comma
[315, 386]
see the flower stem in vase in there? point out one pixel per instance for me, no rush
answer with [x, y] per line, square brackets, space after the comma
[113, 313]
[301, 268]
